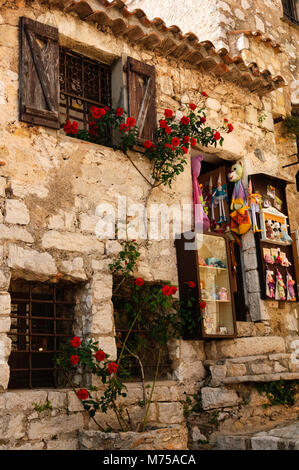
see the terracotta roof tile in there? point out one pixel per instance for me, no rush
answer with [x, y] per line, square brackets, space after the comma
[170, 41]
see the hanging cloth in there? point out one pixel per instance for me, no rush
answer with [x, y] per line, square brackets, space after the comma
[201, 219]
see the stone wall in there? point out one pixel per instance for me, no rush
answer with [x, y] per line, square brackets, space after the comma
[50, 187]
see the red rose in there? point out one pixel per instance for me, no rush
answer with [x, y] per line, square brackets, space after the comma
[75, 127]
[97, 113]
[202, 305]
[204, 93]
[230, 128]
[168, 113]
[139, 281]
[163, 123]
[203, 120]
[186, 139]
[191, 284]
[131, 121]
[185, 150]
[82, 394]
[112, 367]
[67, 127]
[168, 146]
[192, 106]
[166, 290]
[225, 120]
[185, 120]
[217, 135]
[193, 141]
[106, 108]
[168, 130]
[175, 141]
[100, 355]
[173, 290]
[74, 359]
[119, 112]
[148, 144]
[75, 342]
[124, 127]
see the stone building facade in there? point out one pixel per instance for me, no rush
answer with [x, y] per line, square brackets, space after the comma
[51, 185]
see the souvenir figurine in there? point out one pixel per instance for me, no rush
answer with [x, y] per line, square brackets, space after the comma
[268, 258]
[220, 195]
[254, 201]
[276, 230]
[240, 220]
[285, 262]
[280, 287]
[270, 284]
[285, 237]
[223, 293]
[290, 286]
[269, 230]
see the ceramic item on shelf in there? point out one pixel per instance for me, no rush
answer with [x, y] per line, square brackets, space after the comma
[223, 294]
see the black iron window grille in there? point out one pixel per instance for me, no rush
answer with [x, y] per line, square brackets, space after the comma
[41, 321]
[83, 83]
[291, 10]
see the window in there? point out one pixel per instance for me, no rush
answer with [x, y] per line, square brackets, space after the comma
[58, 84]
[291, 10]
[41, 321]
[83, 83]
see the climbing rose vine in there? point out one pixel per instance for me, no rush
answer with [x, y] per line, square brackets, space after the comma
[173, 139]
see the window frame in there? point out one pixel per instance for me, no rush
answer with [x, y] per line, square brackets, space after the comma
[290, 11]
[27, 318]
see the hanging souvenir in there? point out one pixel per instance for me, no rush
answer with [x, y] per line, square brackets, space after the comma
[218, 198]
[240, 220]
[280, 287]
[290, 288]
[201, 219]
[270, 284]
[254, 201]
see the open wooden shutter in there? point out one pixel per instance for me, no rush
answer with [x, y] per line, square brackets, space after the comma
[39, 69]
[142, 97]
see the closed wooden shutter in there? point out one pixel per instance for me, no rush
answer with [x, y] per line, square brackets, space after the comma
[142, 97]
[39, 68]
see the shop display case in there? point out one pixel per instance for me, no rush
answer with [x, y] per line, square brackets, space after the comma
[203, 259]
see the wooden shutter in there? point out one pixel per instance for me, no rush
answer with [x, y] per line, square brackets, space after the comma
[142, 97]
[39, 69]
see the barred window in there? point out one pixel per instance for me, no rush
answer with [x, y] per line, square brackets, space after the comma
[291, 10]
[83, 83]
[41, 321]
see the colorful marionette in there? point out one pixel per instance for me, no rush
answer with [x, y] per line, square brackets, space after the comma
[285, 237]
[254, 201]
[201, 219]
[270, 284]
[239, 195]
[290, 285]
[220, 195]
[240, 220]
[280, 287]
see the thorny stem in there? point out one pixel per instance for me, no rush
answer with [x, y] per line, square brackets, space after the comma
[74, 390]
[152, 391]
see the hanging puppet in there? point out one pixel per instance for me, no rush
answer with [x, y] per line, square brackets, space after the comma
[290, 286]
[254, 201]
[201, 219]
[280, 287]
[240, 220]
[218, 198]
[270, 284]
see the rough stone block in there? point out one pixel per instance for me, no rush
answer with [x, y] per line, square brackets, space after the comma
[265, 443]
[5, 323]
[74, 268]
[170, 413]
[240, 347]
[5, 304]
[102, 318]
[41, 266]
[218, 374]
[186, 371]
[55, 425]
[4, 377]
[218, 398]
[234, 370]
[72, 242]
[261, 368]
[16, 212]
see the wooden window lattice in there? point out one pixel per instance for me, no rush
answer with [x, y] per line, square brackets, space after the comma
[83, 83]
[290, 10]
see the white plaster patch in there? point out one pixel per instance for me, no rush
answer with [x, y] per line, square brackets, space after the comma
[2, 93]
